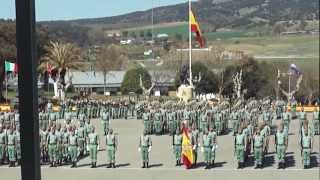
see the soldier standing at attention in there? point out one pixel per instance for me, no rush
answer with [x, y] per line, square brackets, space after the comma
[112, 144]
[73, 148]
[3, 143]
[81, 133]
[59, 135]
[105, 117]
[93, 142]
[145, 145]
[286, 120]
[213, 135]
[265, 131]
[177, 145]
[195, 142]
[281, 145]
[258, 140]
[306, 147]
[240, 147]
[52, 141]
[316, 121]
[18, 145]
[43, 145]
[206, 148]
[11, 145]
[235, 121]
[302, 117]
[146, 121]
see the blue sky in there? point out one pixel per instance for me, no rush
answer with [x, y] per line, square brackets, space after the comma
[74, 9]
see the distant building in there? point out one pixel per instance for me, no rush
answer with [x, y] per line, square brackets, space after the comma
[162, 36]
[232, 55]
[91, 81]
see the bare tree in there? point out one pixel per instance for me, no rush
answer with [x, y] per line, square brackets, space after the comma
[146, 91]
[237, 81]
[109, 58]
[290, 94]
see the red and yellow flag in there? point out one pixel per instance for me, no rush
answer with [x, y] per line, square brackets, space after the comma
[187, 152]
[195, 28]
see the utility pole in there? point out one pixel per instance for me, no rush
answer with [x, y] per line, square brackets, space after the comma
[28, 90]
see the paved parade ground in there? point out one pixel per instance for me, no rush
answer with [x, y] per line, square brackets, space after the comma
[162, 163]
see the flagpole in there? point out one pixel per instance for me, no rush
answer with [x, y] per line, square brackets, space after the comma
[190, 46]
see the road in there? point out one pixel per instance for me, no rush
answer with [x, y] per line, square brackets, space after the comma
[162, 163]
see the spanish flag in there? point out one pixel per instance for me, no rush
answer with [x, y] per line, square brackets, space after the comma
[187, 153]
[195, 28]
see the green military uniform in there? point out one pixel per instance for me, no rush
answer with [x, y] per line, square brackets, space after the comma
[65, 144]
[171, 123]
[18, 146]
[52, 148]
[195, 143]
[43, 145]
[286, 120]
[213, 136]
[145, 147]
[258, 149]
[235, 122]
[111, 149]
[177, 145]
[316, 122]
[41, 119]
[157, 123]
[240, 148]
[281, 139]
[105, 121]
[218, 123]
[146, 121]
[207, 147]
[306, 150]
[11, 145]
[68, 117]
[265, 132]
[302, 117]
[267, 117]
[81, 134]
[59, 135]
[3, 143]
[73, 148]
[204, 122]
[52, 118]
[93, 148]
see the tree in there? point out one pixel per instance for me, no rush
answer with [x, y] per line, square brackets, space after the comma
[131, 81]
[149, 34]
[178, 37]
[8, 46]
[142, 34]
[63, 57]
[133, 34]
[208, 82]
[256, 79]
[125, 34]
[278, 28]
[109, 58]
[302, 25]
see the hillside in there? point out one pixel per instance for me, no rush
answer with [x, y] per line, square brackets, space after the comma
[212, 15]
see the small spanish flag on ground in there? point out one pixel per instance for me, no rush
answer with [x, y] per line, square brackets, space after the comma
[187, 152]
[195, 28]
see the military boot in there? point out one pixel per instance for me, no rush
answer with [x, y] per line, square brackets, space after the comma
[109, 165]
